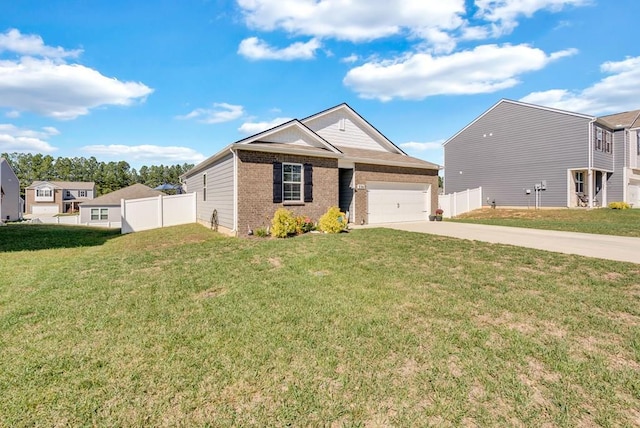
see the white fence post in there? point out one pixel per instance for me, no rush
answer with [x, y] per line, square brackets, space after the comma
[460, 202]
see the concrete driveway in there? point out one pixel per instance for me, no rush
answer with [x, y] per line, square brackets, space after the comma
[608, 247]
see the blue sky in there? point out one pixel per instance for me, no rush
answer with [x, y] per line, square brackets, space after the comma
[168, 82]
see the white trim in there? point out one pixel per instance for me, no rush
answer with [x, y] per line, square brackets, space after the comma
[235, 190]
[293, 150]
[301, 183]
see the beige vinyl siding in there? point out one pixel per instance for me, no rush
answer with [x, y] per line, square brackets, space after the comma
[112, 216]
[219, 191]
[292, 136]
[511, 148]
[329, 128]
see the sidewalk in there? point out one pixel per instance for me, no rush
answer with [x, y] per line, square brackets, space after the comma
[607, 247]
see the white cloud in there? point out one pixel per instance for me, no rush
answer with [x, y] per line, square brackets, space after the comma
[437, 25]
[221, 112]
[504, 14]
[256, 49]
[350, 59]
[32, 45]
[355, 20]
[50, 87]
[146, 152]
[14, 139]
[422, 147]
[485, 69]
[251, 128]
[620, 91]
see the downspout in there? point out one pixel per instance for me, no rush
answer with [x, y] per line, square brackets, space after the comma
[626, 148]
[235, 191]
[590, 164]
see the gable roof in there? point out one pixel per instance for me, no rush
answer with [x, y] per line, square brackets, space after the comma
[270, 135]
[268, 141]
[80, 185]
[518, 103]
[135, 191]
[627, 119]
[355, 116]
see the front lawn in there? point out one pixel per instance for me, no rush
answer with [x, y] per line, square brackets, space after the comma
[603, 221]
[183, 327]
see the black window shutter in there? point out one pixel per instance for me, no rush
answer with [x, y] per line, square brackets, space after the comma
[277, 182]
[308, 182]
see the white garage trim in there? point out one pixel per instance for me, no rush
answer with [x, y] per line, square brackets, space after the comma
[390, 202]
[44, 209]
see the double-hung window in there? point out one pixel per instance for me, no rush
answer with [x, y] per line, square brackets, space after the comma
[99, 213]
[579, 182]
[292, 182]
[204, 186]
[44, 193]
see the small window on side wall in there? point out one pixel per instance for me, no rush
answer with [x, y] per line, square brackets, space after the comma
[204, 186]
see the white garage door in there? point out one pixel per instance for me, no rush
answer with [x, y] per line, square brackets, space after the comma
[44, 209]
[397, 202]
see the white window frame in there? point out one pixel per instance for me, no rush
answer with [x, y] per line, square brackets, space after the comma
[100, 214]
[599, 137]
[285, 182]
[204, 187]
[579, 177]
[82, 193]
[44, 193]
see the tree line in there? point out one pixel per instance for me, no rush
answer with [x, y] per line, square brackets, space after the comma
[108, 176]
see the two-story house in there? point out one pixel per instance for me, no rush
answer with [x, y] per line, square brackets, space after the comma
[529, 155]
[57, 197]
[10, 202]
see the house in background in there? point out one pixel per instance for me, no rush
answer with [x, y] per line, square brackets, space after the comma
[519, 153]
[105, 209]
[10, 201]
[57, 197]
[333, 158]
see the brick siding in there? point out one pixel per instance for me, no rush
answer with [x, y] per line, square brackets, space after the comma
[30, 200]
[255, 188]
[367, 172]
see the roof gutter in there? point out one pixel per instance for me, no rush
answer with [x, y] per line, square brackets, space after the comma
[290, 151]
[391, 163]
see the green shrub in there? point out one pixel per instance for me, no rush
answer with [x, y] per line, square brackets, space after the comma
[333, 221]
[261, 232]
[619, 206]
[283, 223]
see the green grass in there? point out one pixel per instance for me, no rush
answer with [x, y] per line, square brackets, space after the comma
[602, 221]
[181, 326]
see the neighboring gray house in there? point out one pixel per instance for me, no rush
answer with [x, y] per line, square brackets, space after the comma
[332, 158]
[517, 151]
[106, 208]
[10, 201]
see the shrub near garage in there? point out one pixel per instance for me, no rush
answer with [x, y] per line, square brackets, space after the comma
[333, 221]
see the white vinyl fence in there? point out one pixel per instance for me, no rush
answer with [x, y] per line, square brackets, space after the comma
[458, 203]
[161, 211]
[73, 220]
